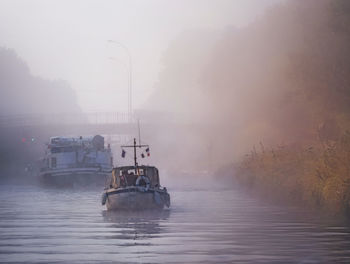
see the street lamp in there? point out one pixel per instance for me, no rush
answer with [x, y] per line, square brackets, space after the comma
[130, 111]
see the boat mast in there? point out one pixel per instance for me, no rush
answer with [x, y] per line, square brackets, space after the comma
[135, 156]
[135, 152]
[138, 125]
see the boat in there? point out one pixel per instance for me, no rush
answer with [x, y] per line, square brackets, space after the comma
[76, 161]
[135, 187]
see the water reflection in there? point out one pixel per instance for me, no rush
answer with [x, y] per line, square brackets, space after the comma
[136, 225]
[203, 226]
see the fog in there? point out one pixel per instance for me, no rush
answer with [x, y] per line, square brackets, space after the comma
[241, 105]
[68, 40]
[56, 57]
[279, 81]
[211, 81]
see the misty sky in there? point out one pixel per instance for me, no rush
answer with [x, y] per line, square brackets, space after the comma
[65, 39]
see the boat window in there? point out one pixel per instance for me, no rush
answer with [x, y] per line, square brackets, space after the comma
[55, 150]
[90, 160]
[55, 140]
[131, 171]
[131, 179]
[68, 149]
[152, 174]
[63, 149]
[129, 175]
[53, 162]
[157, 176]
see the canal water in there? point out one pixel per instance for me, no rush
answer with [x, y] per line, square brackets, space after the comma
[40, 225]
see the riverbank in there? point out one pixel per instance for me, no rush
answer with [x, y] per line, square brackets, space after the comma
[317, 176]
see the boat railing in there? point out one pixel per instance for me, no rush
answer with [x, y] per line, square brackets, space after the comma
[77, 166]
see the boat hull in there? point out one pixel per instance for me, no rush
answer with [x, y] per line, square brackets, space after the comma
[136, 199]
[82, 177]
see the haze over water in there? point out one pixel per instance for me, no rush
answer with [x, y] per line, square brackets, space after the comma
[202, 226]
[252, 92]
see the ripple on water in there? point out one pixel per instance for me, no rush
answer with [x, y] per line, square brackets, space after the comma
[221, 226]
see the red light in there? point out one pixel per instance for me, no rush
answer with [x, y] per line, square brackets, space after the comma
[24, 140]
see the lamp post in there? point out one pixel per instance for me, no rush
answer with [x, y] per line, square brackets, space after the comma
[130, 110]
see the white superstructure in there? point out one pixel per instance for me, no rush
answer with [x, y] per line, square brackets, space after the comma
[83, 159]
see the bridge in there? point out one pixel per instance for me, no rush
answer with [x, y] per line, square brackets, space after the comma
[111, 124]
[65, 119]
[23, 137]
[71, 123]
[34, 130]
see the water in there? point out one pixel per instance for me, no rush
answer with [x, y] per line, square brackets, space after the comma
[219, 226]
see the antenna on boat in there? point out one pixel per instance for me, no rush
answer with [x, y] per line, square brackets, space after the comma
[135, 146]
[135, 156]
[138, 125]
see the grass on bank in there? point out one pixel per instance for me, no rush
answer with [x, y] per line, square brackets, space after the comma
[317, 176]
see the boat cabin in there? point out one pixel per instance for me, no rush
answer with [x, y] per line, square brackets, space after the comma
[127, 175]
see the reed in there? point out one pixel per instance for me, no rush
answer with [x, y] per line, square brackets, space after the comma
[317, 175]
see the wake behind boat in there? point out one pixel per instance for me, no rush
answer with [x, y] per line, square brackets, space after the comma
[135, 187]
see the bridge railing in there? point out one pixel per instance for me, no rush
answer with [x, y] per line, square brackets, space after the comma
[65, 119]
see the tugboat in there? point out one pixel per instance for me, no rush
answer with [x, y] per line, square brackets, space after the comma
[79, 161]
[135, 187]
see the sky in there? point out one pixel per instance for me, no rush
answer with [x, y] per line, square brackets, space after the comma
[68, 39]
